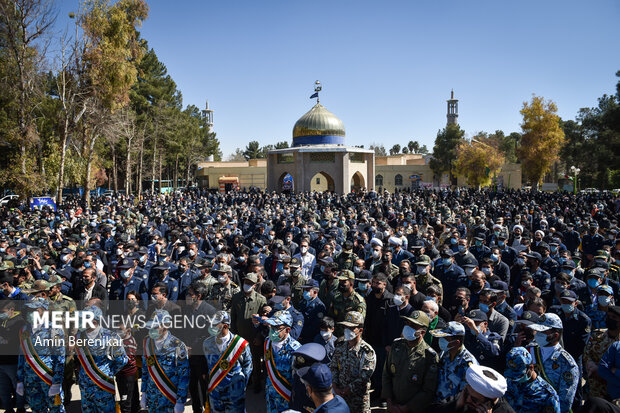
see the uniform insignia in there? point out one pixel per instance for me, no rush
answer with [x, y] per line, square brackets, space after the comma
[415, 314]
[301, 360]
[555, 366]
[393, 369]
[150, 361]
[414, 377]
[224, 365]
[568, 377]
[174, 289]
[268, 354]
[300, 323]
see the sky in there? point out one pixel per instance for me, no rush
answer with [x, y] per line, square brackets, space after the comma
[387, 67]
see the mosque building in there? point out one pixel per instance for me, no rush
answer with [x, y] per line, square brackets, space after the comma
[319, 160]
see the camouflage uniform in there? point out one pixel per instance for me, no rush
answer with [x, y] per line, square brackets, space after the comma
[229, 395]
[597, 346]
[346, 261]
[222, 294]
[452, 373]
[561, 372]
[526, 395]
[352, 368]
[109, 359]
[341, 305]
[35, 389]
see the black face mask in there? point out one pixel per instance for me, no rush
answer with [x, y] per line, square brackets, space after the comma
[611, 324]
[376, 290]
[342, 287]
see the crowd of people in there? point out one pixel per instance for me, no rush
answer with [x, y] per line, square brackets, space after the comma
[444, 301]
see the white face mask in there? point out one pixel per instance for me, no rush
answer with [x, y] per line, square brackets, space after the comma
[349, 334]
[326, 335]
[398, 300]
[191, 253]
[304, 250]
[222, 279]
[247, 288]
[376, 254]
[180, 249]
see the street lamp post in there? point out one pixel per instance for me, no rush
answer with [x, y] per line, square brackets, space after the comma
[575, 172]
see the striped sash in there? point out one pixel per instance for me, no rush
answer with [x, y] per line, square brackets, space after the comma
[280, 384]
[32, 358]
[226, 362]
[102, 380]
[163, 383]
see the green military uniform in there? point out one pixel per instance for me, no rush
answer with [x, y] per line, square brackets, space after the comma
[62, 303]
[346, 260]
[391, 273]
[352, 368]
[614, 272]
[209, 281]
[341, 305]
[422, 283]
[296, 284]
[242, 307]
[411, 372]
[221, 295]
[327, 291]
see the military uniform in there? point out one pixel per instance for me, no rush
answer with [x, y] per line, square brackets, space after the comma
[351, 370]
[346, 261]
[341, 305]
[295, 284]
[524, 394]
[109, 357]
[452, 373]
[597, 346]
[424, 281]
[171, 355]
[65, 304]
[561, 371]
[327, 291]
[410, 374]
[281, 354]
[53, 357]
[313, 311]
[223, 294]
[228, 396]
[596, 316]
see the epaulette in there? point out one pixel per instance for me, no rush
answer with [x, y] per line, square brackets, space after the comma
[431, 350]
[366, 347]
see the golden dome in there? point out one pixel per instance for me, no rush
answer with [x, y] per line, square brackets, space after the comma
[318, 121]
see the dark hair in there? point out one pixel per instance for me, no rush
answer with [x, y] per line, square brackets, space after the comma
[465, 290]
[162, 286]
[200, 289]
[327, 322]
[491, 295]
[268, 287]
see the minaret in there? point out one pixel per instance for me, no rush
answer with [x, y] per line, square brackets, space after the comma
[453, 110]
[207, 115]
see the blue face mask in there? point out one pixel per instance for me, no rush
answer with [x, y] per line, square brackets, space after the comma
[541, 339]
[604, 300]
[593, 282]
[453, 241]
[494, 257]
[307, 296]
[483, 307]
[363, 287]
[568, 308]
[447, 262]
[501, 243]
[520, 262]
[478, 243]
[461, 248]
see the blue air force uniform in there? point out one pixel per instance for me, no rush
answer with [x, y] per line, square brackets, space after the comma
[452, 373]
[109, 359]
[560, 371]
[35, 389]
[119, 289]
[283, 358]
[229, 395]
[171, 355]
[312, 312]
[524, 394]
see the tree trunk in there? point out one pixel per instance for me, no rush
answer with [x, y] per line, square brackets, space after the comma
[91, 151]
[63, 154]
[160, 172]
[141, 164]
[128, 168]
[189, 165]
[176, 173]
[114, 169]
[154, 163]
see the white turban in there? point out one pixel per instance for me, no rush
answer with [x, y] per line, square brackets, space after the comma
[376, 241]
[396, 241]
[486, 381]
[517, 226]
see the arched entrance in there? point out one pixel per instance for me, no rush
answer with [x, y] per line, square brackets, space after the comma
[321, 182]
[357, 182]
[285, 183]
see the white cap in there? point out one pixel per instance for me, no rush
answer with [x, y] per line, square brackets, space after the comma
[376, 241]
[396, 241]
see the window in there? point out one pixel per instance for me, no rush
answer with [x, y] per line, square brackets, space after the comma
[398, 180]
[284, 158]
[318, 181]
[379, 180]
[322, 157]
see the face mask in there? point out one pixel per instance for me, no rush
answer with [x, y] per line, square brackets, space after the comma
[357, 269]
[520, 262]
[554, 249]
[274, 336]
[375, 254]
[592, 282]
[453, 241]
[398, 300]
[307, 296]
[326, 335]
[349, 334]
[248, 288]
[501, 243]
[568, 308]
[87, 264]
[214, 331]
[462, 248]
[604, 300]
[154, 333]
[483, 307]
[495, 257]
[409, 333]
[278, 306]
[526, 284]
[559, 288]
[478, 243]
[304, 250]
[541, 339]
[469, 271]
[363, 287]
[131, 304]
[119, 251]
[191, 253]
[422, 270]
[222, 279]
[444, 344]
[322, 268]
[486, 271]
[4, 316]
[447, 262]
[126, 274]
